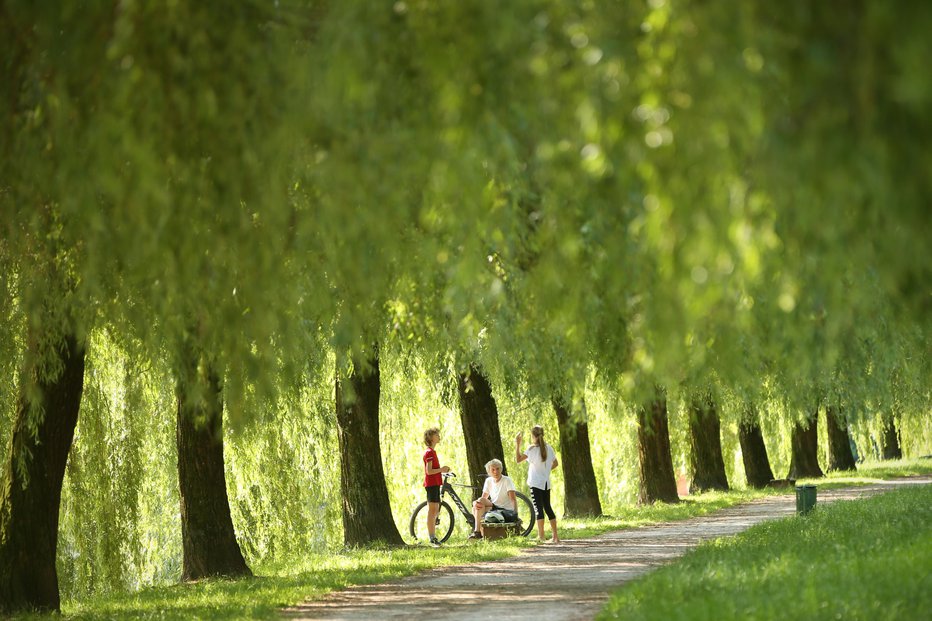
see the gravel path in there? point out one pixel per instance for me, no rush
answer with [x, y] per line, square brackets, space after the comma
[570, 580]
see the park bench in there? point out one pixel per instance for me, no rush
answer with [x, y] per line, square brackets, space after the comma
[500, 530]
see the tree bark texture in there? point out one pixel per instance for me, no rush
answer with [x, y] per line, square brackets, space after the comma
[208, 540]
[367, 512]
[754, 453]
[657, 481]
[891, 441]
[479, 415]
[839, 444]
[582, 492]
[29, 506]
[705, 445]
[804, 448]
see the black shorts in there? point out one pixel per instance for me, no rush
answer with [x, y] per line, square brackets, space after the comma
[433, 493]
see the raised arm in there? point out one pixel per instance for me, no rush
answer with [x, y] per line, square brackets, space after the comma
[555, 463]
[519, 456]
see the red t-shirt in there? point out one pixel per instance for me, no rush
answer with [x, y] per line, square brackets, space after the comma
[430, 458]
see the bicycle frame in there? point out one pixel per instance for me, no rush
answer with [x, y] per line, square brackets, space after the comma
[448, 489]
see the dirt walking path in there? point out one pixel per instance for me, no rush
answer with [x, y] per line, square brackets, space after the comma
[570, 580]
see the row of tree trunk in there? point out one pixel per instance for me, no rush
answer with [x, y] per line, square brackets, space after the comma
[657, 483]
[31, 494]
[34, 473]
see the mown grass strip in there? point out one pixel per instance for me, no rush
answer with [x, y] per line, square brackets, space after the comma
[704, 504]
[864, 559]
[278, 587]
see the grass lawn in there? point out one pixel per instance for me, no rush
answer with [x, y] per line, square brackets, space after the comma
[693, 506]
[865, 559]
[276, 587]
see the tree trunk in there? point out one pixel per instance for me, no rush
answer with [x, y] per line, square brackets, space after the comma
[367, 512]
[891, 441]
[208, 540]
[753, 452]
[479, 415]
[706, 448]
[31, 493]
[804, 460]
[657, 481]
[581, 491]
[839, 444]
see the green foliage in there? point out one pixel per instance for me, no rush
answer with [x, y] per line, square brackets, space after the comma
[586, 199]
[120, 525]
[867, 559]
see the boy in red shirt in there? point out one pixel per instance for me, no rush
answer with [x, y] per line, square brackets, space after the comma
[432, 481]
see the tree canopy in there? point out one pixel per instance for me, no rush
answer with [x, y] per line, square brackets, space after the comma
[576, 196]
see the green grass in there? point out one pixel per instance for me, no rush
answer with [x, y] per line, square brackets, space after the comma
[634, 516]
[703, 504]
[874, 470]
[864, 559]
[278, 586]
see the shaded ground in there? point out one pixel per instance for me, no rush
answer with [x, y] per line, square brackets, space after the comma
[571, 580]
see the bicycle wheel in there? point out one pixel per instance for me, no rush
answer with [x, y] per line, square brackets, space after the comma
[526, 515]
[443, 523]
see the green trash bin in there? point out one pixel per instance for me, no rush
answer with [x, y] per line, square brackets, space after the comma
[805, 498]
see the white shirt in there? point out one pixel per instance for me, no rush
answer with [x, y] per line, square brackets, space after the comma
[538, 472]
[498, 491]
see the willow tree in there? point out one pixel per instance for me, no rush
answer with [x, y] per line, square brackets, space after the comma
[804, 449]
[208, 539]
[753, 451]
[840, 456]
[891, 440]
[46, 416]
[164, 174]
[479, 414]
[582, 492]
[656, 481]
[367, 515]
[705, 444]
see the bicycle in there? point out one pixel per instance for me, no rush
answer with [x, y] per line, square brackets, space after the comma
[446, 518]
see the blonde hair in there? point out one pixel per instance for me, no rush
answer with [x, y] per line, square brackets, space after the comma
[537, 433]
[429, 434]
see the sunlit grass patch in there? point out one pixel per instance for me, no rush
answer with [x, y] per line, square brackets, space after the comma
[918, 466]
[635, 516]
[276, 587]
[865, 559]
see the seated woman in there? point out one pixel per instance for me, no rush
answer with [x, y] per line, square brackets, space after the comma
[497, 493]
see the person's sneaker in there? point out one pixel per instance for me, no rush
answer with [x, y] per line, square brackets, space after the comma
[434, 542]
[475, 535]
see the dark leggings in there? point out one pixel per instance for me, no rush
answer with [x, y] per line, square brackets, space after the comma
[541, 501]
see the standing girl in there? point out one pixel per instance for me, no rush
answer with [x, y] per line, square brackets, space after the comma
[433, 480]
[541, 460]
